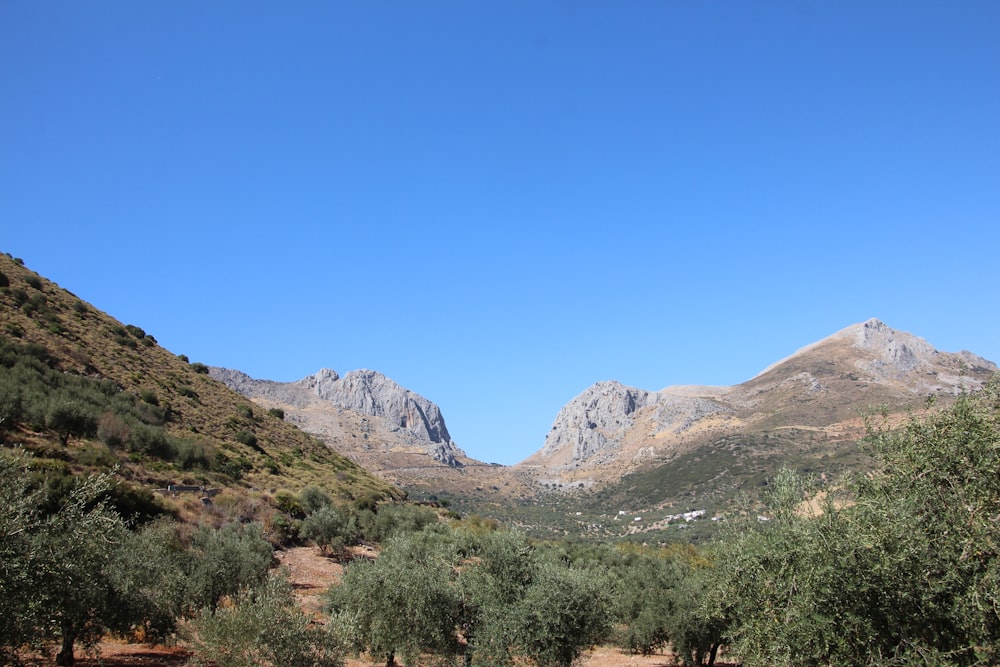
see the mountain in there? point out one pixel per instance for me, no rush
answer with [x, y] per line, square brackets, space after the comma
[364, 415]
[88, 392]
[610, 430]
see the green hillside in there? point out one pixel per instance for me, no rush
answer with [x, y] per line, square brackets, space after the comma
[84, 392]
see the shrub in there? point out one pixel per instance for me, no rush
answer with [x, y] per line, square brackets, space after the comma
[187, 392]
[4, 280]
[314, 499]
[289, 504]
[277, 412]
[199, 367]
[191, 454]
[331, 529]
[135, 331]
[33, 281]
[245, 411]
[149, 396]
[112, 430]
[247, 438]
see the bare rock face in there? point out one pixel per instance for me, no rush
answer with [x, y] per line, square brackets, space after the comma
[588, 423]
[405, 419]
[372, 393]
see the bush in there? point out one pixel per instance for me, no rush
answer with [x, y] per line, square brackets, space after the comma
[187, 392]
[226, 561]
[277, 412]
[244, 411]
[135, 331]
[331, 529]
[247, 438]
[199, 367]
[314, 499]
[189, 454]
[112, 430]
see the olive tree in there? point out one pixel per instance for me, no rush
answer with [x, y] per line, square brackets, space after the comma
[402, 603]
[58, 577]
[907, 571]
[264, 627]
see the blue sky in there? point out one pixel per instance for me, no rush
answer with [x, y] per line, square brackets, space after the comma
[498, 204]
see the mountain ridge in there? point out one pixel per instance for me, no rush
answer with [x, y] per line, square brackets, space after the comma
[405, 424]
[612, 425]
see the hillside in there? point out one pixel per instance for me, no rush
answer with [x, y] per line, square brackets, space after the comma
[157, 416]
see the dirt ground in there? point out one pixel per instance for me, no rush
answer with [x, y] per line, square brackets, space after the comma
[311, 574]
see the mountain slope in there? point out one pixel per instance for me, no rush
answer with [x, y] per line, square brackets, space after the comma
[609, 430]
[235, 446]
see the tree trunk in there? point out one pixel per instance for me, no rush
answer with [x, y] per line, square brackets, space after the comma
[390, 660]
[65, 656]
[712, 654]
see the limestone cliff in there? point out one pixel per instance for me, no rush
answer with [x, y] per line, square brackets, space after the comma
[322, 404]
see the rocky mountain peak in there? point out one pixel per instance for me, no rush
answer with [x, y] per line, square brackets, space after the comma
[823, 383]
[599, 415]
[412, 418]
[372, 393]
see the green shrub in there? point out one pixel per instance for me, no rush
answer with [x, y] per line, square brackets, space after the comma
[277, 412]
[135, 331]
[187, 392]
[232, 469]
[33, 281]
[247, 438]
[314, 499]
[199, 367]
[290, 504]
[183, 357]
[190, 454]
[149, 396]
[245, 411]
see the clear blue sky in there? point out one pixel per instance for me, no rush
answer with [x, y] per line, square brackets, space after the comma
[499, 203]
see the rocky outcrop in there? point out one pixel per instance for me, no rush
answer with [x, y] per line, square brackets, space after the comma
[413, 419]
[594, 421]
[372, 393]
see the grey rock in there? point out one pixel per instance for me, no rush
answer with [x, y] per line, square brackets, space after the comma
[414, 419]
